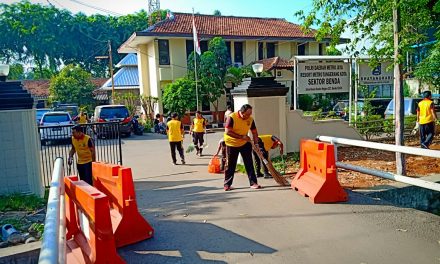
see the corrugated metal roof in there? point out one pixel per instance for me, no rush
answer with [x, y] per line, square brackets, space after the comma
[129, 60]
[126, 76]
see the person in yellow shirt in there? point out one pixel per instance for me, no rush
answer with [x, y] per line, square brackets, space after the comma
[266, 143]
[198, 128]
[426, 118]
[82, 118]
[175, 137]
[84, 148]
[237, 142]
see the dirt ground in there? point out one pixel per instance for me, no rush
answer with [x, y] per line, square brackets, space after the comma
[417, 166]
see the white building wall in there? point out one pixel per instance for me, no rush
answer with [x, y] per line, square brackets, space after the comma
[20, 154]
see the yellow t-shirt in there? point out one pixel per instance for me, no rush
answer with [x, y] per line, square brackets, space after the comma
[199, 124]
[174, 131]
[82, 149]
[82, 119]
[425, 114]
[240, 127]
[267, 141]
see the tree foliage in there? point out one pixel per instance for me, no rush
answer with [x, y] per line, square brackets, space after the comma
[429, 69]
[371, 20]
[72, 85]
[179, 96]
[48, 38]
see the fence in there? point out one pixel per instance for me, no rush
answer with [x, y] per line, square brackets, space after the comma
[387, 147]
[56, 142]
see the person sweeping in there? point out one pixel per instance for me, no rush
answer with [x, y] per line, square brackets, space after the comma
[266, 143]
[198, 128]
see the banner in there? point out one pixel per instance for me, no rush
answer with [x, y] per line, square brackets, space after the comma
[323, 77]
[377, 75]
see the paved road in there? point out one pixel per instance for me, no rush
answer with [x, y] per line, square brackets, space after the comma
[195, 221]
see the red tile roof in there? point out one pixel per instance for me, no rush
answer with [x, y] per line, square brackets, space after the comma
[275, 63]
[40, 88]
[227, 26]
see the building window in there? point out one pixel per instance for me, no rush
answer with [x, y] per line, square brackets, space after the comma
[164, 52]
[302, 49]
[189, 47]
[228, 47]
[260, 50]
[321, 49]
[203, 46]
[238, 52]
[270, 50]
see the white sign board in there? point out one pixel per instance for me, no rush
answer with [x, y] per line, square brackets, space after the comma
[377, 75]
[323, 77]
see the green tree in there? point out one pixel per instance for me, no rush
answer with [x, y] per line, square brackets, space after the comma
[332, 50]
[179, 96]
[72, 85]
[217, 13]
[429, 69]
[16, 72]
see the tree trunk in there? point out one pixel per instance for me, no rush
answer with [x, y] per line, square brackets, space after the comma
[398, 91]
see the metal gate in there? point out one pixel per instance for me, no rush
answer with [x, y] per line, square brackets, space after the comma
[56, 142]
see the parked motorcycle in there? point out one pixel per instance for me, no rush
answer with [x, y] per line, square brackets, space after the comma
[137, 128]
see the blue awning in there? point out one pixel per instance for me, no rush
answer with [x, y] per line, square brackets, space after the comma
[129, 60]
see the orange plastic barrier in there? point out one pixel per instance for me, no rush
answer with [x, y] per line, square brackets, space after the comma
[117, 182]
[317, 176]
[89, 228]
[214, 165]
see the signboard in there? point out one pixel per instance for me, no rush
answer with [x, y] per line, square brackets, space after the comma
[377, 75]
[323, 77]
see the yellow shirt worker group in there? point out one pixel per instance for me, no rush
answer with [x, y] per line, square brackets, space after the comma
[426, 117]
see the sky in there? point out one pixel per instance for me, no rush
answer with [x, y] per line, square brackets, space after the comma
[254, 8]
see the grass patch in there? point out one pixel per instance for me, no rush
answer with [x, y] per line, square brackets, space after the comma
[20, 202]
[289, 160]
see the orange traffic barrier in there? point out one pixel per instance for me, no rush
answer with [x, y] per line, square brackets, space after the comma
[117, 182]
[317, 175]
[89, 228]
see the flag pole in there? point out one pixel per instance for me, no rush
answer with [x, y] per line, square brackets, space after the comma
[195, 63]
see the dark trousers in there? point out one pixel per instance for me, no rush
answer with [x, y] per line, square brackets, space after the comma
[85, 172]
[427, 133]
[258, 162]
[198, 140]
[232, 155]
[178, 145]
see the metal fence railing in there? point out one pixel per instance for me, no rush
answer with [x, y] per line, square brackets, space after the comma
[53, 247]
[56, 142]
[387, 147]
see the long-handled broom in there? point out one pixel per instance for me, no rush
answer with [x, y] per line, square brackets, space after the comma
[275, 174]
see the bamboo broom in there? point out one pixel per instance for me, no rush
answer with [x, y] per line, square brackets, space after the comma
[275, 174]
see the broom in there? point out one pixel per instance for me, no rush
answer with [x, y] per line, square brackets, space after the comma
[275, 174]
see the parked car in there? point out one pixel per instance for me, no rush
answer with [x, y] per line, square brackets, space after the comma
[40, 112]
[112, 113]
[73, 109]
[410, 107]
[55, 126]
[378, 107]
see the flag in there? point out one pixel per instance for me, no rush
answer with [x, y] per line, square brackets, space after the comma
[196, 39]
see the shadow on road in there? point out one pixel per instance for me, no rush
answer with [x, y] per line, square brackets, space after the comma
[190, 242]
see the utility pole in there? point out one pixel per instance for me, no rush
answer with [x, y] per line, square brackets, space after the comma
[110, 62]
[398, 91]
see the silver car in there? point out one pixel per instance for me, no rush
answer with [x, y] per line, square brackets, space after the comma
[55, 126]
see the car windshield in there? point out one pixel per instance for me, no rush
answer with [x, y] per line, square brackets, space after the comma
[406, 107]
[40, 113]
[114, 112]
[73, 110]
[57, 118]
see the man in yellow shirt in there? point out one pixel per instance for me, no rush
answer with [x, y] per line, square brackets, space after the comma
[84, 148]
[175, 137]
[426, 117]
[197, 129]
[237, 142]
[266, 143]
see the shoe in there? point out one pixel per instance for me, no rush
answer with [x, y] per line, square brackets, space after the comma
[183, 162]
[424, 146]
[267, 176]
[228, 188]
[174, 163]
[259, 175]
[197, 152]
[256, 186]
